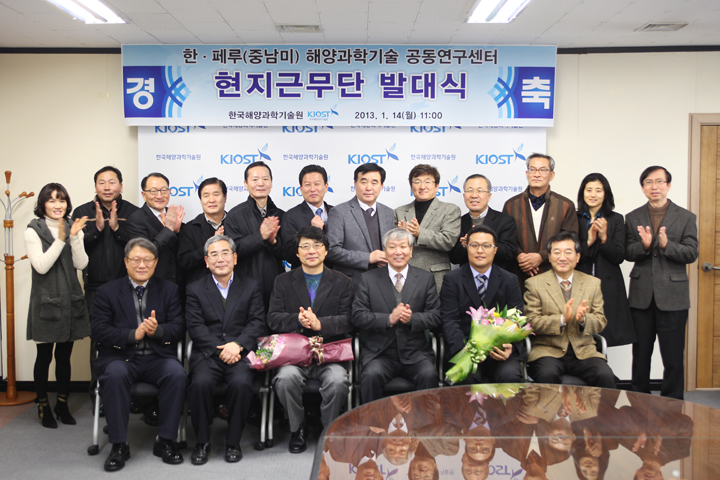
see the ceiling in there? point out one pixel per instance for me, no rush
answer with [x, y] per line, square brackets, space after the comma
[565, 23]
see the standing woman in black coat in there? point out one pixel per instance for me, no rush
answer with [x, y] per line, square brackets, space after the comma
[57, 315]
[602, 250]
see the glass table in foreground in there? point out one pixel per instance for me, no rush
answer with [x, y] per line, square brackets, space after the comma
[522, 432]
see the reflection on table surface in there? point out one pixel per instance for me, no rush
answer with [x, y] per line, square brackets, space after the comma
[522, 431]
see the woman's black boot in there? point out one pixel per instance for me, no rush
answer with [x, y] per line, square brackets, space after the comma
[62, 411]
[45, 414]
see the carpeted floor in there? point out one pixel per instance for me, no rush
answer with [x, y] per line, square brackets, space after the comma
[27, 450]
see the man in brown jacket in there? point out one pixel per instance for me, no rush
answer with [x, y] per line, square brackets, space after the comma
[539, 213]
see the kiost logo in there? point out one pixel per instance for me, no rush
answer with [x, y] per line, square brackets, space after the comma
[432, 129]
[186, 191]
[358, 158]
[176, 129]
[303, 129]
[245, 159]
[323, 115]
[500, 159]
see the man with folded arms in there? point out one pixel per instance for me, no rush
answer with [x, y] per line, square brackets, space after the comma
[225, 317]
[137, 321]
[315, 301]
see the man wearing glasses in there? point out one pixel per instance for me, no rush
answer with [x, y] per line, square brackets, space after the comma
[225, 317]
[479, 282]
[565, 307]
[477, 192]
[315, 301]
[137, 321]
[539, 214]
[159, 223]
[661, 238]
[434, 224]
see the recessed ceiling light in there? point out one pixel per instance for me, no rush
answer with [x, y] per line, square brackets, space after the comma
[88, 11]
[661, 27]
[298, 28]
[496, 11]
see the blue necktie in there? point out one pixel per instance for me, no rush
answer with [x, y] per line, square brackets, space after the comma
[482, 287]
[318, 212]
[140, 290]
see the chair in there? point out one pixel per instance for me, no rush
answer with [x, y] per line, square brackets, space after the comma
[261, 387]
[138, 389]
[600, 344]
[398, 384]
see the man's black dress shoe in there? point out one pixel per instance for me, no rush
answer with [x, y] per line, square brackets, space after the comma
[152, 414]
[233, 453]
[298, 439]
[167, 450]
[199, 456]
[119, 454]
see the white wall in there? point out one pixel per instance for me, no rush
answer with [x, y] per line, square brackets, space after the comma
[62, 120]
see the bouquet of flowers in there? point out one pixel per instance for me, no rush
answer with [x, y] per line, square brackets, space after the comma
[502, 391]
[489, 329]
[278, 350]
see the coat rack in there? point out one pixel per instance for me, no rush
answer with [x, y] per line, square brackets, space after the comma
[11, 396]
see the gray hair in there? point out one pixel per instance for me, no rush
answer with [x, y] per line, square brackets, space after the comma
[478, 175]
[546, 157]
[218, 238]
[397, 234]
[142, 243]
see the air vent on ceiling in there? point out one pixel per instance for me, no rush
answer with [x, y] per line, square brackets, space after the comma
[299, 28]
[661, 27]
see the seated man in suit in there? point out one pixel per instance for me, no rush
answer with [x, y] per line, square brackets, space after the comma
[225, 317]
[480, 282]
[159, 223]
[137, 321]
[312, 300]
[311, 211]
[565, 307]
[393, 307]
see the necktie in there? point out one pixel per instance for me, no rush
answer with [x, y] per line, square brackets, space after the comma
[312, 290]
[371, 211]
[318, 212]
[482, 287]
[398, 282]
[140, 290]
[566, 285]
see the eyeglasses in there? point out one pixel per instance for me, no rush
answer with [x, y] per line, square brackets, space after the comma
[484, 246]
[215, 256]
[427, 183]
[541, 170]
[135, 262]
[479, 191]
[564, 253]
[154, 191]
[659, 182]
[315, 246]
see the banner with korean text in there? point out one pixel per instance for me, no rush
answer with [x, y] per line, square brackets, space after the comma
[342, 85]
[187, 155]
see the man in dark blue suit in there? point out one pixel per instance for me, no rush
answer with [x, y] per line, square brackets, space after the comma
[225, 317]
[137, 322]
[480, 283]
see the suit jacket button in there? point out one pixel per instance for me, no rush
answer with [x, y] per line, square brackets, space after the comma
[654, 254]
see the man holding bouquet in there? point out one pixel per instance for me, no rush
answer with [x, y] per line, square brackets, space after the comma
[565, 307]
[480, 283]
[315, 301]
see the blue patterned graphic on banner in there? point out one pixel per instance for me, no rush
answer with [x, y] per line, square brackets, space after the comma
[525, 92]
[154, 92]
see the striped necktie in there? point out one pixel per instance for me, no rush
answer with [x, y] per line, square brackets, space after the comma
[482, 286]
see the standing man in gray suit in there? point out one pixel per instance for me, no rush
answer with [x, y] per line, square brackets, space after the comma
[356, 227]
[434, 224]
[661, 238]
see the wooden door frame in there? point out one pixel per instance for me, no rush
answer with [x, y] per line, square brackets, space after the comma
[697, 121]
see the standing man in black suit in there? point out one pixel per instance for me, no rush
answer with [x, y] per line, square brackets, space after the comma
[191, 241]
[480, 282]
[159, 223]
[225, 317]
[393, 307]
[477, 192]
[315, 301]
[254, 225]
[661, 238]
[137, 322]
[312, 210]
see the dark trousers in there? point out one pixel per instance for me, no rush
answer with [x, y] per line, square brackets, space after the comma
[669, 327]
[492, 371]
[204, 379]
[119, 375]
[89, 299]
[380, 370]
[594, 371]
[63, 351]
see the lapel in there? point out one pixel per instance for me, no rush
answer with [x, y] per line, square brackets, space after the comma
[300, 286]
[578, 289]
[214, 297]
[233, 297]
[324, 289]
[408, 212]
[670, 216]
[410, 286]
[154, 222]
[493, 286]
[387, 290]
[431, 211]
[469, 284]
[386, 219]
[527, 210]
[127, 302]
[357, 213]
[547, 208]
[554, 290]
[308, 212]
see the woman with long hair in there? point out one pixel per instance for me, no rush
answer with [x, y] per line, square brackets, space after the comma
[57, 315]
